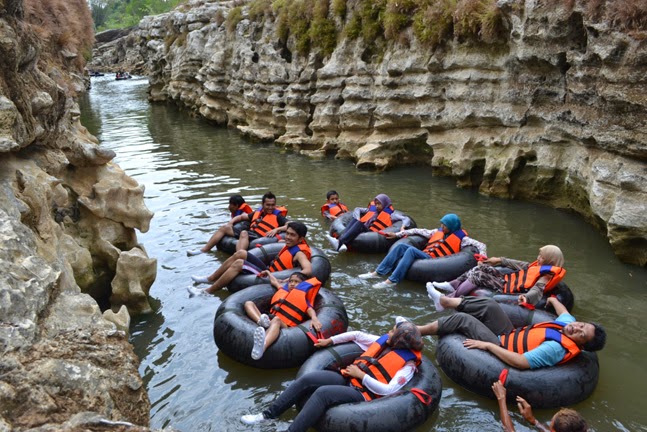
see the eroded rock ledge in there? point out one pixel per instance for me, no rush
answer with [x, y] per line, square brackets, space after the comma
[556, 115]
[67, 227]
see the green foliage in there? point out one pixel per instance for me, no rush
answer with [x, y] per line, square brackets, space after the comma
[433, 22]
[478, 20]
[397, 16]
[339, 8]
[233, 18]
[111, 14]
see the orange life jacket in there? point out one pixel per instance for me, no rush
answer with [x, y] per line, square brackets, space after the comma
[439, 245]
[334, 209]
[530, 337]
[291, 305]
[382, 367]
[285, 258]
[244, 208]
[521, 281]
[383, 219]
[262, 223]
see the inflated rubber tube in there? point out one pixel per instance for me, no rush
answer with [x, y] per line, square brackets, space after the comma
[402, 411]
[320, 267]
[233, 331]
[367, 242]
[228, 243]
[561, 291]
[551, 387]
[438, 269]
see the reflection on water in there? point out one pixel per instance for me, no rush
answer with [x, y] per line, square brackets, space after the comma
[190, 168]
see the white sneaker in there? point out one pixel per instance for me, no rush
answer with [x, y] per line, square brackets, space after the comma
[252, 419]
[342, 248]
[201, 279]
[264, 321]
[369, 275]
[194, 252]
[435, 296]
[384, 284]
[445, 287]
[193, 291]
[259, 343]
[333, 241]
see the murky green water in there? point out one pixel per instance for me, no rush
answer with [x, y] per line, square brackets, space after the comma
[190, 169]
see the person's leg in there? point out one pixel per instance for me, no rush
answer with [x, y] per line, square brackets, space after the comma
[487, 311]
[252, 311]
[353, 229]
[389, 262]
[217, 236]
[322, 399]
[463, 289]
[223, 278]
[468, 326]
[299, 388]
[222, 269]
[405, 263]
[273, 332]
[243, 241]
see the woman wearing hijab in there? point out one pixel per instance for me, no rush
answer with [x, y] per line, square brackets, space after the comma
[450, 238]
[378, 215]
[530, 280]
[398, 351]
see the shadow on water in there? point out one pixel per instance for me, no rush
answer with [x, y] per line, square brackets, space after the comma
[190, 168]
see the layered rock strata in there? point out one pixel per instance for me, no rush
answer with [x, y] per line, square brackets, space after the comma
[556, 114]
[67, 227]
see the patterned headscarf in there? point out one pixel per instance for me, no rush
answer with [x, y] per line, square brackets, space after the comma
[552, 255]
[406, 336]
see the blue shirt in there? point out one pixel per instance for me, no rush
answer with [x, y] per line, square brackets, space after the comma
[549, 353]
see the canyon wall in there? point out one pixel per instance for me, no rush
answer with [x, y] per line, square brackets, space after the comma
[68, 217]
[555, 114]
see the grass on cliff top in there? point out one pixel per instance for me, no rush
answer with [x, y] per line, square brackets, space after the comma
[319, 24]
[62, 25]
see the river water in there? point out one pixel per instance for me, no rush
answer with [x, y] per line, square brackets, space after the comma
[190, 168]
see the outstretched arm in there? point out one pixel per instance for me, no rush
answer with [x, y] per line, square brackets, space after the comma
[500, 392]
[506, 356]
[557, 305]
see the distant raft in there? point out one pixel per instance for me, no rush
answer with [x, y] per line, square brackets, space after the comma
[233, 331]
[367, 242]
[552, 387]
[438, 269]
[266, 253]
[402, 411]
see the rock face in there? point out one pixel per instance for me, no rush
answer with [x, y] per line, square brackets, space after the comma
[556, 114]
[67, 227]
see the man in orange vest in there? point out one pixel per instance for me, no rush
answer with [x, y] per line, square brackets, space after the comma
[267, 221]
[233, 266]
[238, 207]
[488, 328]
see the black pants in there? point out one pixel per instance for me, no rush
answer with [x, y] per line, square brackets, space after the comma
[330, 389]
[477, 318]
[353, 229]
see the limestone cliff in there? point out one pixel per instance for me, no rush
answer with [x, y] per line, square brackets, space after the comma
[67, 228]
[554, 112]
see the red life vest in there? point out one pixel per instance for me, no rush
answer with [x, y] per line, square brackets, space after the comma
[382, 367]
[383, 219]
[439, 245]
[285, 258]
[530, 337]
[334, 209]
[521, 281]
[291, 305]
[262, 223]
[244, 208]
